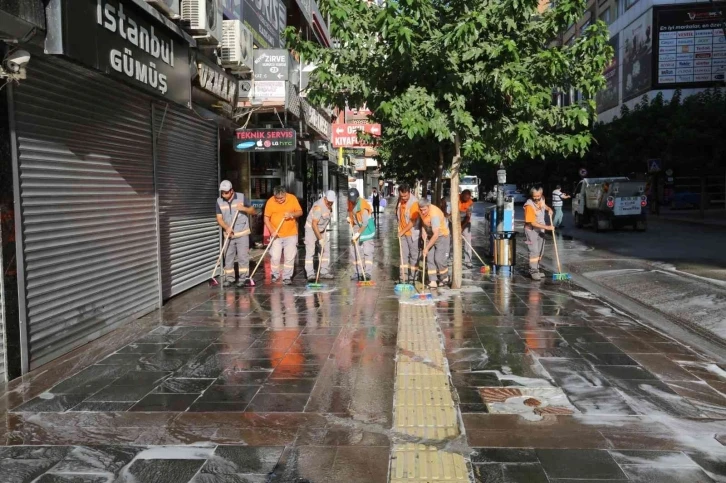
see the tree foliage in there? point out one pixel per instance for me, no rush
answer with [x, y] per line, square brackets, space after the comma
[476, 74]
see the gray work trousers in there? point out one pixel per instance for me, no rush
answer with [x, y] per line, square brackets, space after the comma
[285, 249]
[535, 245]
[437, 264]
[312, 246]
[466, 233]
[409, 254]
[240, 248]
[365, 250]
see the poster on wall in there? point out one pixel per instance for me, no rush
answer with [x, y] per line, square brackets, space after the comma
[609, 96]
[266, 20]
[637, 51]
[691, 45]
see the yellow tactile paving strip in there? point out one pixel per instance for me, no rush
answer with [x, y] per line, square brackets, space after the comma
[424, 407]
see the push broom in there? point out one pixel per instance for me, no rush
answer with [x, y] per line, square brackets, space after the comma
[365, 282]
[424, 295]
[251, 281]
[485, 267]
[318, 285]
[403, 287]
[213, 282]
[560, 275]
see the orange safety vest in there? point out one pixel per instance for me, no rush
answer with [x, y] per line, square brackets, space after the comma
[435, 212]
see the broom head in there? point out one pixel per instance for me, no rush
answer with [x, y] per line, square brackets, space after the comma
[315, 285]
[367, 283]
[561, 276]
[213, 282]
[404, 288]
[485, 269]
[423, 296]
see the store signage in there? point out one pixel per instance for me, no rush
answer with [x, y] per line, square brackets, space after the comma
[609, 97]
[232, 9]
[271, 64]
[346, 135]
[315, 120]
[360, 164]
[124, 41]
[216, 81]
[266, 91]
[266, 19]
[637, 48]
[265, 140]
[691, 46]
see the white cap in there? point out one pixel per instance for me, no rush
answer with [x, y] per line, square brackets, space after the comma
[331, 196]
[225, 185]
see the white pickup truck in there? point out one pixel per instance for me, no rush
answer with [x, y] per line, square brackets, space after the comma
[610, 203]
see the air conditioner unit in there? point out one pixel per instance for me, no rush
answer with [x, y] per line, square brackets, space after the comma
[236, 46]
[170, 8]
[205, 19]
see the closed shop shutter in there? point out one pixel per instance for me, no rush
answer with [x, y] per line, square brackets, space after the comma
[3, 343]
[187, 183]
[88, 208]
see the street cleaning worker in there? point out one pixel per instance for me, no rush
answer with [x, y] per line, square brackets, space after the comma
[557, 201]
[437, 240]
[316, 225]
[239, 235]
[465, 210]
[360, 216]
[282, 206]
[409, 232]
[534, 229]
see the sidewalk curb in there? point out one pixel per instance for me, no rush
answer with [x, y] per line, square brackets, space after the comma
[682, 331]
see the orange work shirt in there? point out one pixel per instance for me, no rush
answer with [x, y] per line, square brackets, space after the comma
[435, 219]
[530, 212]
[364, 206]
[465, 208]
[276, 212]
[405, 218]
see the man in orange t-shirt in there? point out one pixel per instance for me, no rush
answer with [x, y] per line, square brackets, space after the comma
[465, 209]
[408, 232]
[284, 209]
[437, 239]
[534, 229]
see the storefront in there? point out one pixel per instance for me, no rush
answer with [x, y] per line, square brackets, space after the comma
[114, 176]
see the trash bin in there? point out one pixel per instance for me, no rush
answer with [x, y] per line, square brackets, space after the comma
[505, 248]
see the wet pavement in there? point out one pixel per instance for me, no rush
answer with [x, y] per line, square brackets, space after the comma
[512, 380]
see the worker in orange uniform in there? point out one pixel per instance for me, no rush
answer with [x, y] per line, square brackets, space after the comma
[465, 210]
[409, 233]
[437, 240]
[360, 217]
[535, 228]
[282, 206]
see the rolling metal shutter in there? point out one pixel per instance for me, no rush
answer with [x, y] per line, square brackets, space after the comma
[186, 180]
[88, 208]
[3, 341]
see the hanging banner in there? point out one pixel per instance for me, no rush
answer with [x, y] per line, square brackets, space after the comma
[609, 97]
[637, 47]
[265, 140]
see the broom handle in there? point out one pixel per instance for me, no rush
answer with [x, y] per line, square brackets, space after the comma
[554, 241]
[472, 249]
[320, 262]
[268, 247]
[400, 251]
[224, 246]
[357, 254]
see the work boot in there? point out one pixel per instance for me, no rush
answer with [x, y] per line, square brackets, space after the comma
[444, 282]
[536, 276]
[433, 284]
[311, 278]
[287, 281]
[369, 276]
[356, 278]
[327, 276]
[468, 265]
[275, 279]
[243, 281]
[227, 283]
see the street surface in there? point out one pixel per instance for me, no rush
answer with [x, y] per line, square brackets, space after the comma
[505, 381]
[676, 269]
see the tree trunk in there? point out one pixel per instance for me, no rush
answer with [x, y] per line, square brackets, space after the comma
[455, 217]
[439, 175]
[424, 186]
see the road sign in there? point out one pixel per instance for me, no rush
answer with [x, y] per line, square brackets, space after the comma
[346, 135]
[271, 64]
[654, 165]
[669, 172]
[583, 172]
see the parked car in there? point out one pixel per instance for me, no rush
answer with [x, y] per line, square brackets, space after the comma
[517, 196]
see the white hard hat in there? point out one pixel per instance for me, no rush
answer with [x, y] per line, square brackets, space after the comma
[225, 185]
[331, 196]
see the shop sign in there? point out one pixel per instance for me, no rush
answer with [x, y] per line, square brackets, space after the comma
[315, 120]
[122, 40]
[265, 140]
[216, 81]
[266, 91]
[360, 164]
[271, 64]
[266, 19]
[346, 135]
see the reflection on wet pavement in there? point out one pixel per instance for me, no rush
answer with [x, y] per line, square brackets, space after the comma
[280, 384]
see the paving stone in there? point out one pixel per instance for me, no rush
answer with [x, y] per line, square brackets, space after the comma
[651, 474]
[504, 455]
[593, 464]
[161, 471]
[165, 402]
[243, 459]
[49, 402]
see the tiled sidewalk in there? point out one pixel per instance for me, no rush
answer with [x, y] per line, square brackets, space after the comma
[274, 384]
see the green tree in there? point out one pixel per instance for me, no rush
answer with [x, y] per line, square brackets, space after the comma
[476, 74]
